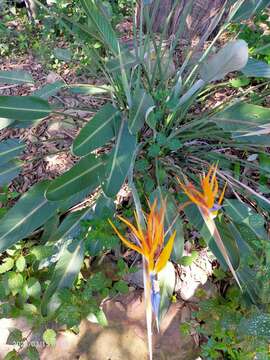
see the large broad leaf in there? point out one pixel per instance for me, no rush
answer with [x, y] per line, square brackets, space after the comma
[10, 149]
[23, 108]
[242, 119]
[65, 272]
[232, 57]
[70, 227]
[88, 89]
[100, 24]
[9, 171]
[244, 272]
[128, 60]
[120, 160]
[74, 199]
[229, 242]
[87, 172]
[44, 93]
[68, 230]
[15, 77]
[4, 122]
[249, 8]
[29, 213]
[49, 90]
[197, 221]
[99, 130]
[141, 103]
[242, 214]
[252, 286]
[256, 68]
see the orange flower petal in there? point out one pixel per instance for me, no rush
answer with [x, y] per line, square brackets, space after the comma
[222, 195]
[125, 241]
[131, 226]
[165, 254]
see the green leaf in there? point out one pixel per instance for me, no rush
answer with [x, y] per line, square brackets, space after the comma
[100, 24]
[175, 144]
[6, 265]
[33, 288]
[249, 8]
[71, 225]
[69, 315]
[232, 57]
[88, 89]
[121, 286]
[258, 325]
[256, 68]
[49, 228]
[41, 252]
[229, 241]
[15, 337]
[65, 272]
[5, 123]
[264, 161]
[98, 317]
[240, 81]
[29, 213]
[241, 119]
[197, 221]
[98, 282]
[23, 108]
[98, 131]
[69, 229]
[15, 282]
[30, 311]
[12, 355]
[87, 172]
[20, 263]
[242, 214]
[141, 103]
[49, 90]
[9, 171]
[49, 336]
[62, 54]
[101, 318]
[127, 62]
[166, 280]
[188, 260]
[15, 77]
[32, 353]
[74, 199]
[10, 149]
[119, 161]
[154, 150]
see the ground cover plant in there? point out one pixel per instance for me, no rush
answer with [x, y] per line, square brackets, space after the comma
[187, 165]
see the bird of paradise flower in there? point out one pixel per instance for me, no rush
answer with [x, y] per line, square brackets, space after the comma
[150, 244]
[208, 205]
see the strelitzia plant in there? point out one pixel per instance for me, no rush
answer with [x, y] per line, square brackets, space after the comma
[150, 243]
[209, 204]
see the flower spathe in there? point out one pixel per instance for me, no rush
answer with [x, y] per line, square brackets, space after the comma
[209, 204]
[206, 199]
[150, 242]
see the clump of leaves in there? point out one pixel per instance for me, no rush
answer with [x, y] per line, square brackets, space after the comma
[230, 328]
